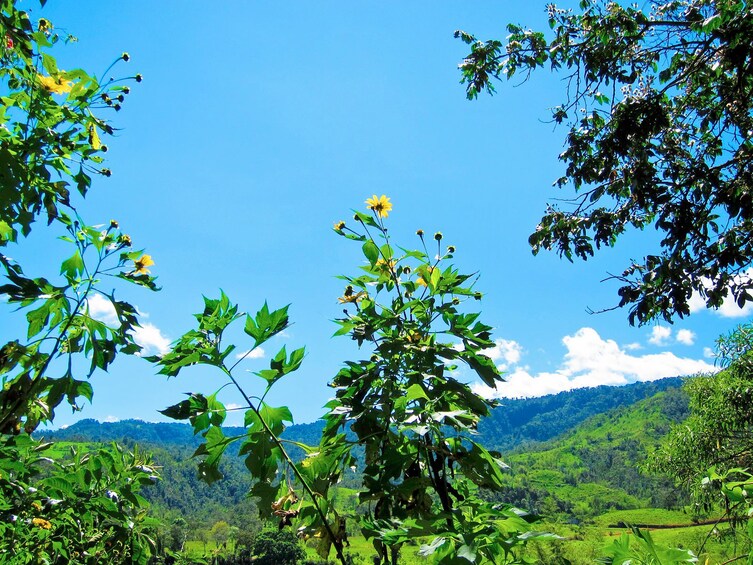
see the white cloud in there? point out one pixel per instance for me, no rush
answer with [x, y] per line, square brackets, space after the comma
[151, 339]
[111, 419]
[100, 308]
[632, 346]
[257, 353]
[686, 337]
[233, 406]
[148, 336]
[592, 361]
[729, 308]
[660, 335]
[505, 352]
[708, 353]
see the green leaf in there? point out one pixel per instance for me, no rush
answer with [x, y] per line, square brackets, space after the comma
[274, 417]
[37, 319]
[7, 233]
[484, 367]
[371, 251]
[435, 276]
[467, 552]
[73, 266]
[415, 391]
[266, 324]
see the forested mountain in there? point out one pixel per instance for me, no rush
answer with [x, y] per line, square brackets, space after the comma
[596, 466]
[521, 421]
[572, 454]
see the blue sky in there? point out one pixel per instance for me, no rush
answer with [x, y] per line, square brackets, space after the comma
[259, 124]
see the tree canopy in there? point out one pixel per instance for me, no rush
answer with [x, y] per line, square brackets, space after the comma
[659, 108]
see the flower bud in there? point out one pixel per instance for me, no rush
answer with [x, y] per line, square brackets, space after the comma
[420, 233]
[126, 57]
[438, 236]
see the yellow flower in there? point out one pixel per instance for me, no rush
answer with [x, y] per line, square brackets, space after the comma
[339, 226]
[420, 280]
[142, 263]
[345, 299]
[36, 506]
[381, 263]
[55, 85]
[379, 204]
[41, 523]
[348, 296]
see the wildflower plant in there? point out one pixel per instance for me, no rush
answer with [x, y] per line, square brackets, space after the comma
[409, 404]
[52, 127]
[403, 418]
[81, 508]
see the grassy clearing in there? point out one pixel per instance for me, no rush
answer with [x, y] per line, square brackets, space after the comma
[581, 544]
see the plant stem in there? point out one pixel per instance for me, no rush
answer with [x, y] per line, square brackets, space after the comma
[335, 540]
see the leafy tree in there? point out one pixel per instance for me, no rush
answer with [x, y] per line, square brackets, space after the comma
[277, 547]
[659, 111]
[220, 532]
[50, 139]
[719, 431]
[177, 534]
[244, 539]
[410, 413]
[202, 535]
[712, 451]
[52, 127]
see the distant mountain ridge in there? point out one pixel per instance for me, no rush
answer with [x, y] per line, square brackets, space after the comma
[516, 422]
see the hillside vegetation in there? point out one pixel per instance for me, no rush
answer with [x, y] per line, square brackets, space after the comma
[572, 455]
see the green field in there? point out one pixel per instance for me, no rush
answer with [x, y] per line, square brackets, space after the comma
[581, 545]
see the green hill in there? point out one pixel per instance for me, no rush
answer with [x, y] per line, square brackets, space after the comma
[595, 467]
[572, 455]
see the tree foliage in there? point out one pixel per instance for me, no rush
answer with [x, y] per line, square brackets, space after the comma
[86, 508]
[409, 413]
[717, 434]
[712, 451]
[279, 547]
[50, 146]
[659, 111]
[82, 508]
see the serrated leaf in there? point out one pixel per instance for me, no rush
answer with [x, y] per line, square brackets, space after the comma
[73, 266]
